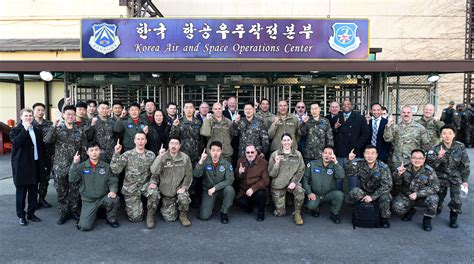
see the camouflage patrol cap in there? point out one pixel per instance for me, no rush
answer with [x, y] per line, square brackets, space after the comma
[451, 102]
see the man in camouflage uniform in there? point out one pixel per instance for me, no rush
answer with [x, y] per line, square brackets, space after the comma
[375, 181]
[218, 177]
[137, 183]
[419, 186]
[405, 137]
[286, 167]
[98, 187]
[460, 122]
[43, 125]
[68, 139]
[470, 125]
[319, 183]
[251, 130]
[319, 134]
[173, 173]
[265, 113]
[447, 115]
[82, 120]
[283, 123]
[118, 111]
[451, 163]
[102, 129]
[217, 128]
[432, 126]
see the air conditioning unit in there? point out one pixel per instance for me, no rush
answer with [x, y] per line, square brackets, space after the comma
[134, 78]
[200, 78]
[236, 78]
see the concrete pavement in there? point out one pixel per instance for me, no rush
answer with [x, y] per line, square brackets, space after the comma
[243, 240]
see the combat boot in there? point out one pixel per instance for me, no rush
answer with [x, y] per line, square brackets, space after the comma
[427, 223]
[408, 216]
[297, 217]
[183, 218]
[150, 221]
[335, 218]
[453, 219]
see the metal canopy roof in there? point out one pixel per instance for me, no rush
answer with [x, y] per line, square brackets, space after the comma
[39, 44]
[414, 66]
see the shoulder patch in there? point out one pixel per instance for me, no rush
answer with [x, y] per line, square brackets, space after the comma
[382, 165]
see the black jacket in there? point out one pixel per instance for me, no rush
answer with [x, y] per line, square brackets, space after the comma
[157, 135]
[383, 147]
[23, 159]
[352, 134]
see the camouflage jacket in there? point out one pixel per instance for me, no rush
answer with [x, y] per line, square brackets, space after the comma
[45, 126]
[172, 173]
[216, 130]
[374, 181]
[266, 117]
[251, 132]
[66, 143]
[405, 138]
[291, 168]
[104, 135]
[424, 181]
[137, 169]
[189, 132]
[453, 166]
[288, 124]
[432, 128]
[319, 134]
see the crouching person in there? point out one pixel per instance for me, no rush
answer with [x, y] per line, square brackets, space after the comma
[98, 187]
[137, 182]
[217, 182]
[286, 167]
[374, 182]
[419, 186]
[319, 183]
[173, 173]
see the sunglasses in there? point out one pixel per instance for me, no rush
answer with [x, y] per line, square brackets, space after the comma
[250, 152]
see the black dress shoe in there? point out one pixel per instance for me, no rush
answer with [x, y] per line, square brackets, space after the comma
[33, 218]
[42, 203]
[22, 221]
[224, 218]
[62, 219]
[113, 224]
[260, 216]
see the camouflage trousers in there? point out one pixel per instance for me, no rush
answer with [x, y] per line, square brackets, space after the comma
[402, 204]
[335, 198]
[384, 201]
[168, 206]
[279, 198]
[454, 191]
[89, 211]
[134, 205]
[69, 198]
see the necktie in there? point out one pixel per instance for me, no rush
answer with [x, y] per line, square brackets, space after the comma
[373, 141]
[345, 117]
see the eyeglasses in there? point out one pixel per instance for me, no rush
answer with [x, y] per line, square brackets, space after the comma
[300, 107]
[250, 152]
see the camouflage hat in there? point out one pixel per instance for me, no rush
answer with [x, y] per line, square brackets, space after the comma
[451, 102]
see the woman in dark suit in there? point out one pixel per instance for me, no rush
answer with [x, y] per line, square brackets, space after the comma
[157, 133]
[28, 165]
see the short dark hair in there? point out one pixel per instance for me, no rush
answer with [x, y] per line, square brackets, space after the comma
[328, 147]
[286, 134]
[81, 104]
[117, 103]
[148, 101]
[137, 105]
[249, 103]
[91, 101]
[372, 105]
[384, 108]
[93, 144]
[264, 99]
[104, 103]
[215, 143]
[171, 103]
[188, 102]
[418, 150]
[176, 138]
[38, 104]
[447, 127]
[370, 147]
[69, 107]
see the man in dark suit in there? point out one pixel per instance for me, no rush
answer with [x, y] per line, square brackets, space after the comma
[351, 134]
[333, 115]
[376, 127]
[28, 165]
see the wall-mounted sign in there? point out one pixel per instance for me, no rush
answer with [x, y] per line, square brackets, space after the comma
[224, 38]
